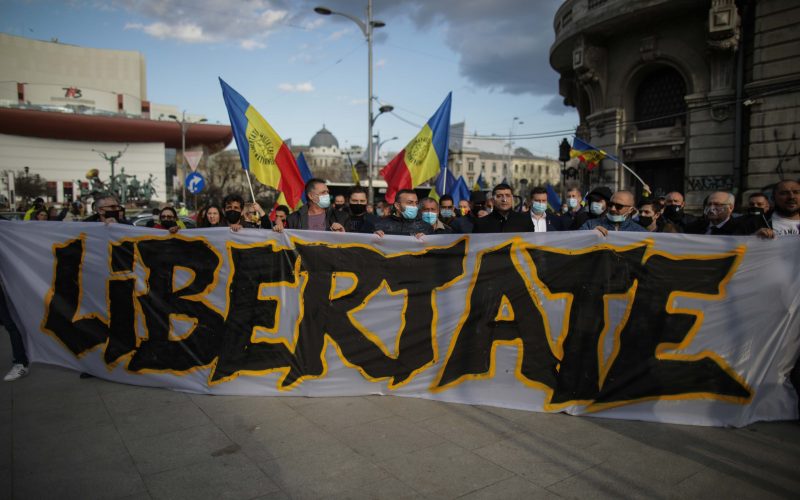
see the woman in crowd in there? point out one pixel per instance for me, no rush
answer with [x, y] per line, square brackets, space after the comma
[211, 217]
[40, 214]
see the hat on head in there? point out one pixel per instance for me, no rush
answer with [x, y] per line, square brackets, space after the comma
[602, 192]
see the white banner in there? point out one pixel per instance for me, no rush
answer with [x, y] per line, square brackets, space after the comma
[670, 328]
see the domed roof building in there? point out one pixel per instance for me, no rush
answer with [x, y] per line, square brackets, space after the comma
[323, 150]
[324, 139]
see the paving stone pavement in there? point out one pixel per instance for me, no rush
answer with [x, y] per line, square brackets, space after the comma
[65, 437]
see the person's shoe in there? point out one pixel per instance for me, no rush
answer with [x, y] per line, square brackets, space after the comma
[17, 372]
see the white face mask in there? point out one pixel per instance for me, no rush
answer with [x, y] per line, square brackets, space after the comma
[572, 202]
[596, 208]
[324, 201]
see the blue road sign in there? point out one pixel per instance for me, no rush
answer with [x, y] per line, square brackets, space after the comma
[195, 182]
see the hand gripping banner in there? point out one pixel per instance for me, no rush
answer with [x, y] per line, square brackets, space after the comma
[670, 328]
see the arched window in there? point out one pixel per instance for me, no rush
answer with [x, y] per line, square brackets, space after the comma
[660, 99]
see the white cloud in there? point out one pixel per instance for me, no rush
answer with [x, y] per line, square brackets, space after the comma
[251, 44]
[296, 87]
[338, 34]
[314, 24]
[188, 32]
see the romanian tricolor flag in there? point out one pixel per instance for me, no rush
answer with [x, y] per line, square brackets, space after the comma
[587, 153]
[423, 157]
[261, 149]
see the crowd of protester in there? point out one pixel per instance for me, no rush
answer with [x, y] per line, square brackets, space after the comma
[765, 215]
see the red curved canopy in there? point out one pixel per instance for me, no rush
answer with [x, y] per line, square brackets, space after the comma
[81, 127]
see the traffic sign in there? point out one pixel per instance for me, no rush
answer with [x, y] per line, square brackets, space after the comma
[195, 183]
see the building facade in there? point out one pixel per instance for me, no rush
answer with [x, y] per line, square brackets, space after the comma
[497, 159]
[694, 95]
[63, 108]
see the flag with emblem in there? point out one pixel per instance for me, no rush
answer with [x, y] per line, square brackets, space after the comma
[586, 153]
[480, 183]
[423, 157]
[261, 149]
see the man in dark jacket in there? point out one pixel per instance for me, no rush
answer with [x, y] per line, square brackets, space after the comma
[502, 218]
[317, 214]
[718, 218]
[621, 207]
[405, 219]
[596, 207]
[107, 210]
[542, 219]
[674, 213]
[359, 220]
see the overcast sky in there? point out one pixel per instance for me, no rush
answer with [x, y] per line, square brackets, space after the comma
[302, 70]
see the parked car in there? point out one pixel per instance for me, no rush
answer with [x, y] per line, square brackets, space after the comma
[12, 215]
[142, 220]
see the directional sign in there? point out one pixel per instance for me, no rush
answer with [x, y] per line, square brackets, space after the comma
[195, 182]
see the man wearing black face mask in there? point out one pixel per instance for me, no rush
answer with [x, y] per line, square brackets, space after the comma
[359, 221]
[168, 219]
[233, 205]
[107, 210]
[339, 203]
[673, 213]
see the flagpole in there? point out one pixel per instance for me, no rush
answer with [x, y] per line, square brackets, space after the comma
[253, 194]
[645, 188]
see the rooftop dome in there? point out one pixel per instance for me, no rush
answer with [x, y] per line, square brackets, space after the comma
[523, 152]
[324, 139]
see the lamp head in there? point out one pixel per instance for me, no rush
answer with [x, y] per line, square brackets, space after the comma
[386, 108]
[378, 24]
[173, 117]
[323, 11]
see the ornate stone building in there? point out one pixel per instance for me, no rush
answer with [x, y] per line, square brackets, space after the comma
[498, 159]
[695, 95]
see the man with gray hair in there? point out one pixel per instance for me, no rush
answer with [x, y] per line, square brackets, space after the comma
[718, 217]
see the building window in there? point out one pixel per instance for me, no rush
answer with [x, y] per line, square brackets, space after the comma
[516, 169]
[483, 165]
[494, 167]
[470, 181]
[660, 99]
[471, 166]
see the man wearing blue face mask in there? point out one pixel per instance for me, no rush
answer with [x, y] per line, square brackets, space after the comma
[543, 220]
[430, 214]
[596, 207]
[405, 219]
[618, 217]
[317, 214]
[573, 200]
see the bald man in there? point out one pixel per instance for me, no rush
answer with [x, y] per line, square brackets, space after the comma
[621, 208]
[785, 219]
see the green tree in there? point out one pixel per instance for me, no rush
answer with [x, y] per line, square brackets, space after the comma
[29, 186]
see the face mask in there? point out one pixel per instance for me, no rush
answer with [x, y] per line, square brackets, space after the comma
[166, 224]
[339, 206]
[489, 209]
[673, 212]
[324, 201]
[645, 221]
[596, 208]
[448, 213]
[429, 217]
[233, 216]
[410, 212]
[464, 211]
[539, 207]
[713, 211]
[755, 211]
[113, 214]
[616, 218]
[572, 202]
[357, 209]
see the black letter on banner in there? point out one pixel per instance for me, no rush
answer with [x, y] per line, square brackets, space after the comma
[588, 277]
[61, 306]
[471, 353]
[639, 371]
[121, 299]
[158, 352]
[419, 274]
[252, 267]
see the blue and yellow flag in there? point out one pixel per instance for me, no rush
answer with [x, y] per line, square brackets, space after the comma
[586, 153]
[261, 149]
[480, 183]
[423, 157]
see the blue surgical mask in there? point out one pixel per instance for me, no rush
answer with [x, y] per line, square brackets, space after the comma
[596, 208]
[410, 212]
[572, 202]
[429, 217]
[448, 213]
[324, 201]
[539, 207]
[616, 218]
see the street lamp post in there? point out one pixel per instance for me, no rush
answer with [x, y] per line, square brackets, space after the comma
[184, 128]
[366, 28]
[378, 149]
[563, 156]
[514, 121]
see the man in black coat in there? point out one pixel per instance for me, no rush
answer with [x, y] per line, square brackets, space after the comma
[503, 219]
[405, 219]
[719, 220]
[543, 220]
